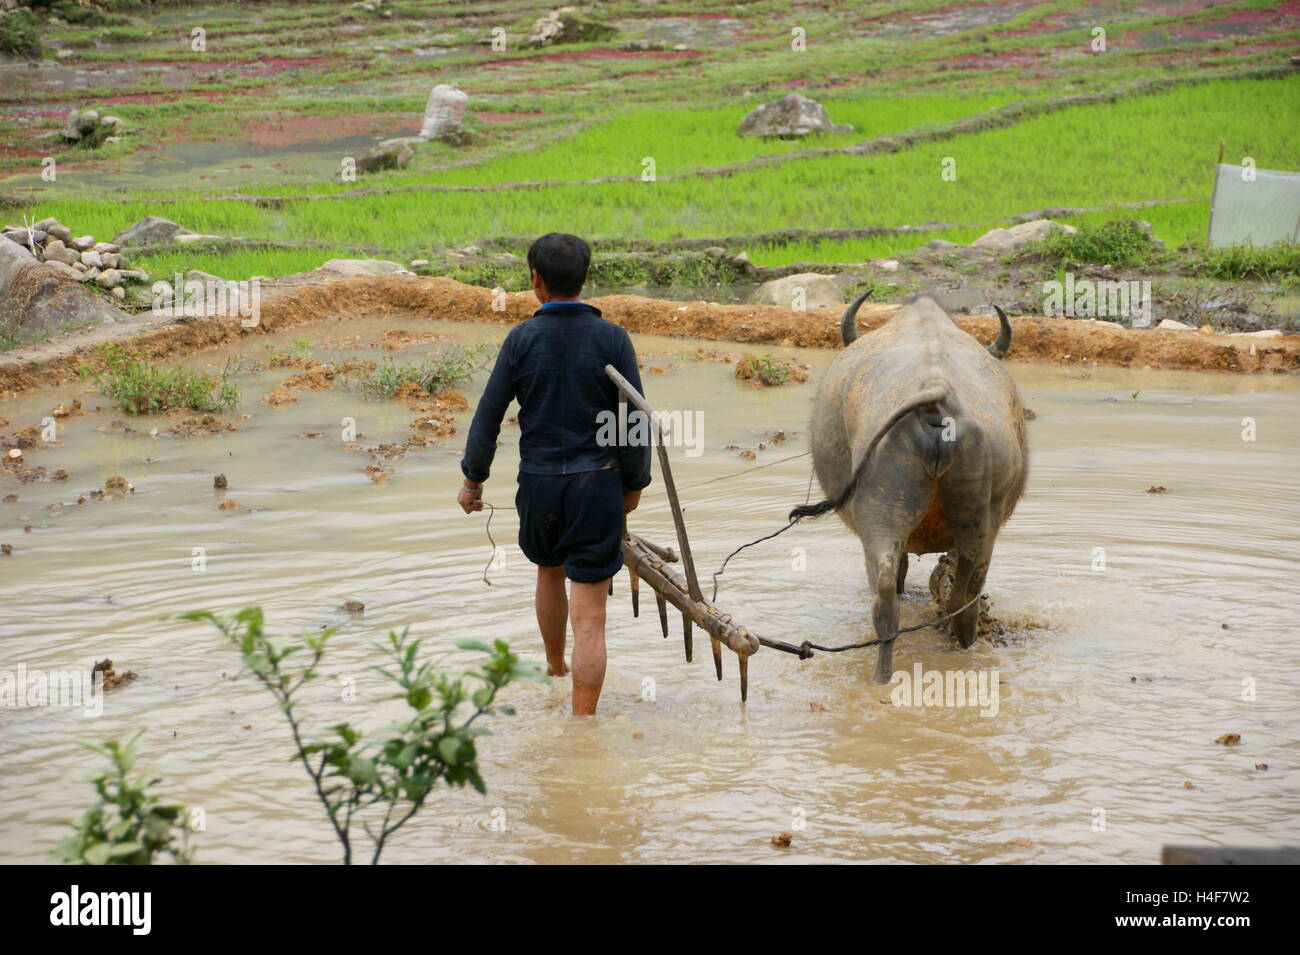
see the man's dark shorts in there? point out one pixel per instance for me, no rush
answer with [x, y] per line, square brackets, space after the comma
[573, 519]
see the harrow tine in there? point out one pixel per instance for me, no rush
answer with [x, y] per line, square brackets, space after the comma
[744, 679]
[663, 612]
[635, 582]
[611, 586]
[687, 638]
[717, 656]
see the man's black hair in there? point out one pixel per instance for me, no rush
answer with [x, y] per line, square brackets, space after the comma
[562, 261]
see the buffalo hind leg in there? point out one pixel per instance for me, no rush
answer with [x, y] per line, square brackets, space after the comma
[884, 556]
[974, 550]
[885, 511]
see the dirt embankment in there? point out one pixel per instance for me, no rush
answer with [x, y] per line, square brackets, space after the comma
[1051, 340]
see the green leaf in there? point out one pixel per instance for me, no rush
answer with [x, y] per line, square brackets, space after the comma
[449, 749]
[98, 854]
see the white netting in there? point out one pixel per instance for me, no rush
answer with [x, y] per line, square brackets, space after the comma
[1256, 211]
[444, 112]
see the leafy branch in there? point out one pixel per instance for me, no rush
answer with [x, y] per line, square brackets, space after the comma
[379, 785]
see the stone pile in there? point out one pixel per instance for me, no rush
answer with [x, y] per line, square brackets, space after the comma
[88, 128]
[566, 26]
[77, 257]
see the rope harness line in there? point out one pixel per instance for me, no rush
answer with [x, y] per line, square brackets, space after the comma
[492, 509]
[804, 650]
[809, 645]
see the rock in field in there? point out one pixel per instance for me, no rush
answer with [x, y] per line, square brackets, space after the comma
[150, 230]
[565, 26]
[818, 290]
[90, 129]
[364, 267]
[791, 115]
[1018, 236]
[393, 155]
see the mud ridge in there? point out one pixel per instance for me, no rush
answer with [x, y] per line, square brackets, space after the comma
[407, 296]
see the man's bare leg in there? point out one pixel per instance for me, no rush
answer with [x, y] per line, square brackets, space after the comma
[552, 617]
[587, 613]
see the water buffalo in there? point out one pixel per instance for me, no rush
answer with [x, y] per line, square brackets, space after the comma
[918, 440]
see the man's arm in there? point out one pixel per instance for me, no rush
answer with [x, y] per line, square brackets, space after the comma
[634, 460]
[481, 445]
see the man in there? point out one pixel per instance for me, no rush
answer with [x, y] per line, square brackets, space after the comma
[574, 488]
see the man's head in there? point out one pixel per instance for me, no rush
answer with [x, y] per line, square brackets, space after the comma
[558, 264]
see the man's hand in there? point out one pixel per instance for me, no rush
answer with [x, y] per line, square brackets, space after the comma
[470, 497]
[630, 501]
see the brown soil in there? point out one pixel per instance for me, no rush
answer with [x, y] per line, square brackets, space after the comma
[1052, 340]
[288, 130]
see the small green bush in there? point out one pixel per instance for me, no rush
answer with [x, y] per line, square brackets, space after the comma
[448, 368]
[1118, 242]
[128, 825]
[139, 387]
[18, 34]
[766, 371]
[1270, 263]
[377, 781]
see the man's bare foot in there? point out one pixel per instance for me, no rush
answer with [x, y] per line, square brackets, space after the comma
[553, 670]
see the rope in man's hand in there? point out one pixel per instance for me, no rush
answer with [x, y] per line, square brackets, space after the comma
[492, 509]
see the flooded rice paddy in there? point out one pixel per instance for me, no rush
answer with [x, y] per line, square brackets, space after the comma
[1134, 619]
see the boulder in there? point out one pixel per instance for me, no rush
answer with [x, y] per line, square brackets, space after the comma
[392, 156]
[90, 129]
[1018, 236]
[566, 26]
[109, 278]
[818, 290]
[56, 251]
[82, 243]
[791, 115]
[150, 230]
[364, 267]
[60, 232]
[26, 237]
[91, 259]
[67, 271]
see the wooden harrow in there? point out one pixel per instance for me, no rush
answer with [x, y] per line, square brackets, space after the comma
[649, 562]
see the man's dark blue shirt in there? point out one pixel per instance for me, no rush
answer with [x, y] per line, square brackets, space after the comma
[554, 364]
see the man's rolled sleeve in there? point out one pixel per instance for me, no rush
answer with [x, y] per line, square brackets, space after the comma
[481, 445]
[634, 460]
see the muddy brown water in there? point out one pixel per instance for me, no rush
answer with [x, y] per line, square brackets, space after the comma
[1115, 683]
